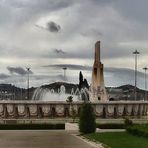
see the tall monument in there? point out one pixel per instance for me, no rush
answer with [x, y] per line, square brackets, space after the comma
[98, 91]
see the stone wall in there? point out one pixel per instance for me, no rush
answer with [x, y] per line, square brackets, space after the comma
[39, 109]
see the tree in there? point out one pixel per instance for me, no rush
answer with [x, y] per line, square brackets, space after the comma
[80, 80]
[80, 77]
[87, 122]
[85, 83]
[73, 113]
[69, 99]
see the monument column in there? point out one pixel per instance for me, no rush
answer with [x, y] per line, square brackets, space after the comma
[98, 91]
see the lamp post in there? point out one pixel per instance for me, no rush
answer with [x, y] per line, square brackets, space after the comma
[145, 70]
[65, 68]
[28, 69]
[135, 90]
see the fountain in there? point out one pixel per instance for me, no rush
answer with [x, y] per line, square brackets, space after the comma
[45, 94]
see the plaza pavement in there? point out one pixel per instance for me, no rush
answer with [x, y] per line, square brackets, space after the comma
[40, 139]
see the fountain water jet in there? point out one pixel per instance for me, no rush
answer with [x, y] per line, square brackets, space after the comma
[46, 94]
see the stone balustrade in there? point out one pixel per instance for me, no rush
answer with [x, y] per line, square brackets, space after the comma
[40, 109]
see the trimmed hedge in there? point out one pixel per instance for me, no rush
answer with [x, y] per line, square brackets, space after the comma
[111, 126]
[127, 122]
[138, 130]
[31, 126]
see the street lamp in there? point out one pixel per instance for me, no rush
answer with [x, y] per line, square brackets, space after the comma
[28, 69]
[135, 90]
[64, 68]
[145, 69]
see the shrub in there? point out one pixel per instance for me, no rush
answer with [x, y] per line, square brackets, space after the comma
[128, 122]
[87, 122]
[73, 113]
[69, 99]
[138, 130]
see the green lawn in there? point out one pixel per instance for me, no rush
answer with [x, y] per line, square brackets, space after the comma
[119, 140]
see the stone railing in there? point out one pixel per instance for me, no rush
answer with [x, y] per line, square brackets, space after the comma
[40, 109]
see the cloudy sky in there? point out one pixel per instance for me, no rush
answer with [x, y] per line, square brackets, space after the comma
[41, 33]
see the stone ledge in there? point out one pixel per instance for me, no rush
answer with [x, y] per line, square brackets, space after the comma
[71, 126]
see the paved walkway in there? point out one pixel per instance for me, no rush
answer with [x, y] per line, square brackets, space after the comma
[40, 139]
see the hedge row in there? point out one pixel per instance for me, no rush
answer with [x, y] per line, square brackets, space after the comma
[110, 126]
[138, 130]
[31, 126]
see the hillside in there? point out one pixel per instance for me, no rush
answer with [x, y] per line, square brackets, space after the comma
[11, 92]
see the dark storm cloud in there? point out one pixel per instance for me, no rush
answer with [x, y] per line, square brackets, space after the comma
[123, 72]
[69, 54]
[59, 51]
[116, 71]
[53, 27]
[50, 26]
[4, 76]
[18, 70]
[38, 26]
[70, 66]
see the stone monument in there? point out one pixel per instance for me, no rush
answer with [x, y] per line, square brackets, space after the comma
[97, 88]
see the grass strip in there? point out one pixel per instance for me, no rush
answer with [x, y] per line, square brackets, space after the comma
[119, 140]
